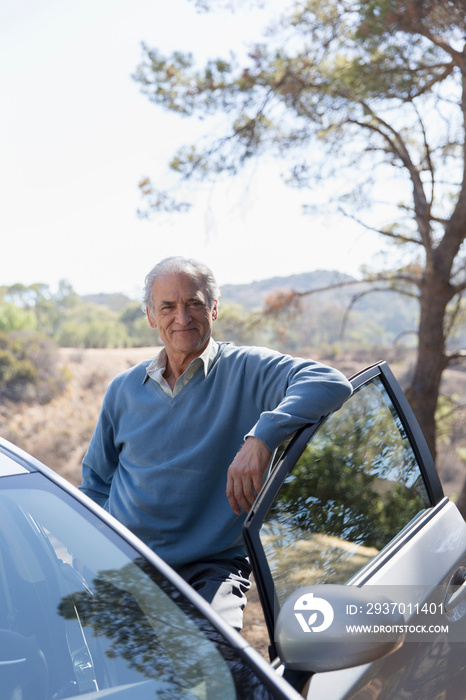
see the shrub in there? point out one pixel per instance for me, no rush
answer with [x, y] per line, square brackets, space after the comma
[92, 326]
[15, 318]
[29, 368]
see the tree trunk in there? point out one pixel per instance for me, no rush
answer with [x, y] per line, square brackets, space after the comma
[461, 501]
[431, 361]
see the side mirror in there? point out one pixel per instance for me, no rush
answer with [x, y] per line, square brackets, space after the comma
[330, 627]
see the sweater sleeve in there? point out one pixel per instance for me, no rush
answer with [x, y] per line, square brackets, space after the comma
[291, 392]
[100, 462]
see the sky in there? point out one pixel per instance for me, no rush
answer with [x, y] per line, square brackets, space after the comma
[77, 135]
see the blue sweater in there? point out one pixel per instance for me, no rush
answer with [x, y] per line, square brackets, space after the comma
[159, 464]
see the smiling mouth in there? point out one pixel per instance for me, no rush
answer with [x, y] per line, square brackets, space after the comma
[184, 331]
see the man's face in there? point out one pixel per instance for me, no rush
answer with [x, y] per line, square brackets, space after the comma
[181, 315]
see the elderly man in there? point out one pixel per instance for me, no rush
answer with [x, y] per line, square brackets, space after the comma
[183, 440]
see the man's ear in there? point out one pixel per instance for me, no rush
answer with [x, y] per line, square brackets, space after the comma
[215, 310]
[150, 318]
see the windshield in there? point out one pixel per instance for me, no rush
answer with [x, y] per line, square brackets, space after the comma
[83, 614]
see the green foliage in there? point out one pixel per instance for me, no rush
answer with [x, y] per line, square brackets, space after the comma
[235, 324]
[16, 318]
[24, 295]
[110, 320]
[336, 496]
[328, 70]
[136, 324]
[29, 369]
[92, 326]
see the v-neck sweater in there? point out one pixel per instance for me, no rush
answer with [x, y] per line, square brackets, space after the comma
[159, 463]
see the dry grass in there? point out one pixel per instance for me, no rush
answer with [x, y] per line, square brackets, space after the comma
[58, 433]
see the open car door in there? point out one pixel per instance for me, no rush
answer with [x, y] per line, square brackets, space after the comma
[355, 501]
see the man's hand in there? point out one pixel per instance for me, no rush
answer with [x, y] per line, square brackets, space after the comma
[244, 479]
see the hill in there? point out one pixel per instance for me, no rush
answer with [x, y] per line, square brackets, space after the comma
[114, 302]
[254, 294]
[350, 315]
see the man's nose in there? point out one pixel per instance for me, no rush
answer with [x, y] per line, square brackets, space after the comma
[183, 316]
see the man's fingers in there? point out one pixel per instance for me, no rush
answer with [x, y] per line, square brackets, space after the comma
[231, 496]
[240, 494]
[247, 495]
[244, 480]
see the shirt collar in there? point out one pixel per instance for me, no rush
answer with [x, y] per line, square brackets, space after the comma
[159, 363]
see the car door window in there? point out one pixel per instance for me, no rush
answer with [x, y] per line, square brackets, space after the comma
[356, 485]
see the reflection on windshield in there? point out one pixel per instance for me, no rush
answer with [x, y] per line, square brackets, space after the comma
[124, 619]
[80, 617]
[354, 488]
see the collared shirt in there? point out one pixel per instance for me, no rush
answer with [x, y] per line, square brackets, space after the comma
[159, 364]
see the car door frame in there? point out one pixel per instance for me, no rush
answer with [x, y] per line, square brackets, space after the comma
[287, 461]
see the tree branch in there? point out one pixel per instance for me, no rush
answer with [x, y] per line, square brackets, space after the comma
[459, 288]
[453, 357]
[368, 280]
[364, 293]
[457, 56]
[434, 81]
[399, 149]
[396, 236]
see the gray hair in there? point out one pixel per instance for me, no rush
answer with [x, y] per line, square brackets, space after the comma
[175, 265]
